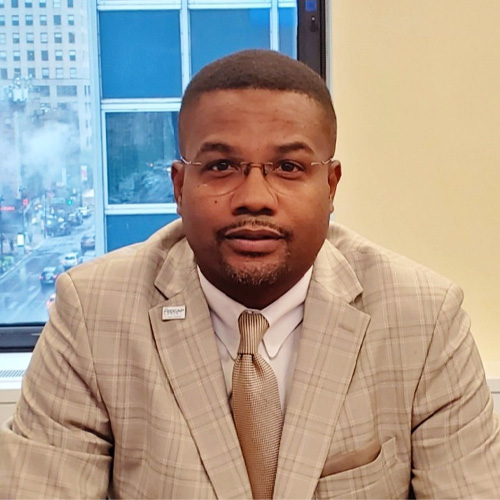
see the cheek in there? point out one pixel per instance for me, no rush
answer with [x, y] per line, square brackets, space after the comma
[313, 206]
[309, 218]
[201, 211]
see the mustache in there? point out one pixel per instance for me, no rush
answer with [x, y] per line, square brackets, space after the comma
[284, 233]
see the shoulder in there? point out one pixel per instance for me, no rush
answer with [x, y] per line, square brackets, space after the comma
[144, 257]
[130, 271]
[388, 277]
[370, 260]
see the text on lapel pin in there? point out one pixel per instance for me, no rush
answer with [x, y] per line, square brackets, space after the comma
[175, 312]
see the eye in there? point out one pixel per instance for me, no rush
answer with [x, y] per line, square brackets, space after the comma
[289, 167]
[221, 166]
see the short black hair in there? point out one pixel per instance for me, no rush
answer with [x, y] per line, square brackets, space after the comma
[260, 69]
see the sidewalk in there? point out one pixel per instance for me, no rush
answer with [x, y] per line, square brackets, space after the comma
[13, 258]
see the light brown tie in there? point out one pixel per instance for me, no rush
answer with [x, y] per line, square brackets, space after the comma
[256, 406]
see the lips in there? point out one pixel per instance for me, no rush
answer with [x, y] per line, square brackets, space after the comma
[251, 233]
[253, 240]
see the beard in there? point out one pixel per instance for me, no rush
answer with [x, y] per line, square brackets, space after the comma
[255, 274]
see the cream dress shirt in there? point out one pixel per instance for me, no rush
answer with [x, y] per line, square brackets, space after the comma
[281, 341]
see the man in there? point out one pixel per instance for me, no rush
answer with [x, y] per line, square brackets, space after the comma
[137, 389]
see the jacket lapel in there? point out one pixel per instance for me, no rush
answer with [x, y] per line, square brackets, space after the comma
[332, 333]
[188, 350]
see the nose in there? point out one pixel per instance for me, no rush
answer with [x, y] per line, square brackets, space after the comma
[254, 195]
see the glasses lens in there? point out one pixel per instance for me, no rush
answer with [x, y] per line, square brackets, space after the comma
[225, 176]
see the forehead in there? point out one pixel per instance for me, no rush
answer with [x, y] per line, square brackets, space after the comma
[253, 115]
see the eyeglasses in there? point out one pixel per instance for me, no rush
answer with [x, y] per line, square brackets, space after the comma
[225, 176]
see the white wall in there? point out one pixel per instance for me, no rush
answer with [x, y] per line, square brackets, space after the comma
[417, 91]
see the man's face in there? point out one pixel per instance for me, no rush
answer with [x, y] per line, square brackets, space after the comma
[255, 237]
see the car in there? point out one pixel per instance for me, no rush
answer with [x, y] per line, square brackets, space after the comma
[87, 242]
[50, 301]
[71, 259]
[59, 229]
[49, 275]
[86, 211]
[75, 218]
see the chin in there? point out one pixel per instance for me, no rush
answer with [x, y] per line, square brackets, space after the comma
[254, 274]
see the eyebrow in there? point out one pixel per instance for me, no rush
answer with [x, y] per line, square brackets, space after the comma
[223, 147]
[294, 146]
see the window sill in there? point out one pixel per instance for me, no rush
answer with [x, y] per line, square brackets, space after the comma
[10, 382]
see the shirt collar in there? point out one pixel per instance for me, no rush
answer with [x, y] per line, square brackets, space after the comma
[283, 315]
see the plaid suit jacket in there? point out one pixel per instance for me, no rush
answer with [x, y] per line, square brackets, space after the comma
[388, 400]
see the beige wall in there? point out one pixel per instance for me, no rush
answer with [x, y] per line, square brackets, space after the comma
[417, 92]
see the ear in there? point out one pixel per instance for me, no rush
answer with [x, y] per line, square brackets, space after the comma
[334, 174]
[177, 176]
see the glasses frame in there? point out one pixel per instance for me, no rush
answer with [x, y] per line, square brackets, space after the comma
[248, 165]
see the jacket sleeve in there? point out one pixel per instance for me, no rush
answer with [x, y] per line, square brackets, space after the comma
[455, 432]
[59, 442]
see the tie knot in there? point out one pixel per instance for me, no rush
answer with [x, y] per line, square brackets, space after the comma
[252, 327]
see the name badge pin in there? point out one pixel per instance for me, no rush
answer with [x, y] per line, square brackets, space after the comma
[175, 312]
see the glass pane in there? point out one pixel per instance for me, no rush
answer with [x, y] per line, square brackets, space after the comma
[140, 54]
[124, 230]
[288, 31]
[140, 150]
[216, 33]
[46, 181]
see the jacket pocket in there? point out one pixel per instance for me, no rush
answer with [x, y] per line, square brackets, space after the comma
[384, 477]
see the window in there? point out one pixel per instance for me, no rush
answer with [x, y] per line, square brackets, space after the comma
[42, 90]
[66, 90]
[28, 20]
[15, 20]
[2, 20]
[17, 72]
[2, 4]
[30, 37]
[3, 74]
[15, 38]
[3, 55]
[142, 72]
[123, 36]
[3, 38]
[14, 3]
[246, 28]
[28, 3]
[136, 171]
[16, 54]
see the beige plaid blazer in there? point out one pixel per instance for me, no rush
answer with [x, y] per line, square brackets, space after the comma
[388, 398]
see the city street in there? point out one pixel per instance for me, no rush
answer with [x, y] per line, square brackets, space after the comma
[22, 298]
